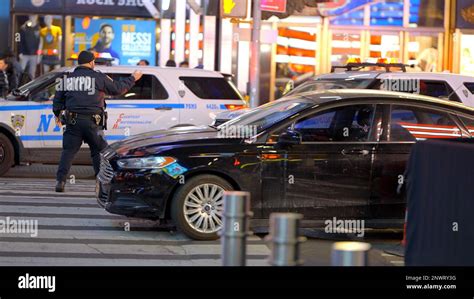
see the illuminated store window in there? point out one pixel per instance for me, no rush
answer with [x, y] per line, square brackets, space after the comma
[296, 57]
[423, 53]
[345, 46]
[426, 13]
[384, 46]
[467, 55]
[349, 18]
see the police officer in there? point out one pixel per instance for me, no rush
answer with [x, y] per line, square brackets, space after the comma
[79, 104]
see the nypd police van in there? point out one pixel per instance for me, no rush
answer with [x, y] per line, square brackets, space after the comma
[163, 98]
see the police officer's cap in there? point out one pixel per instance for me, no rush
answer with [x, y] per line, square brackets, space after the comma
[85, 57]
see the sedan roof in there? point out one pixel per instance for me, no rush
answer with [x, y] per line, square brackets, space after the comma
[361, 75]
[320, 97]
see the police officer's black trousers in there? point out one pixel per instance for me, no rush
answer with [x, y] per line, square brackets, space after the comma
[85, 130]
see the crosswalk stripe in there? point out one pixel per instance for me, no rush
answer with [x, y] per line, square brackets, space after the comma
[92, 249]
[74, 231]
[85, 262]
[46, 199]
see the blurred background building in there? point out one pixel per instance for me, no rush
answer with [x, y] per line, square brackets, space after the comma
[299, 38]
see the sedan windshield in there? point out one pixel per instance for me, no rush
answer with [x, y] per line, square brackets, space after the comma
[269, 114]
[45, 79]
[321, 85]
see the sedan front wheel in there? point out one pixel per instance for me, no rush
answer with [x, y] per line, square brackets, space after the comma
[198, 206]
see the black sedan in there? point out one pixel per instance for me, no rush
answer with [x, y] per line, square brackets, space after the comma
[339, 153]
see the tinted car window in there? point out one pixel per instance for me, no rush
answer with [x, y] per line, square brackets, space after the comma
[438, 89]
[469, 123]
[147, 88]
[349, 123]
[269, 114]
[211, 88]
[318, 85]
[469, 86]
[414, 123]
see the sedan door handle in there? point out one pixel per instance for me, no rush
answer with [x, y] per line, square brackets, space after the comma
[163, 108]
[355, 152]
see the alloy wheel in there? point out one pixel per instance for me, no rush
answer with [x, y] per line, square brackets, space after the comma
[203, 208]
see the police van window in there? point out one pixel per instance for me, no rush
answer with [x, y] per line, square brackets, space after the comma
[45, 93]
[415, 123]
[349, 123]
[211, 88]
[469, 86]
[41, 89]
[438, 89]
[147, 88]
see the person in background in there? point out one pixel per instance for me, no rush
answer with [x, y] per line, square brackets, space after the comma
[8, 76]
[143, 62]
[184, 64]
[171, 63]
[14, 63]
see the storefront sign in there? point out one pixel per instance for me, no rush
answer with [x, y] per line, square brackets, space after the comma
[127, 41]
[108, 7]
[35, 6]
[339, 7]
[278, 6]
[128, 8]
[465, 14]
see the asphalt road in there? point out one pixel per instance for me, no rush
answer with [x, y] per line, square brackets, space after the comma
[75, 231]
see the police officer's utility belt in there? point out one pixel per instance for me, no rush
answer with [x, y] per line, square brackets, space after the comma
[70, 118]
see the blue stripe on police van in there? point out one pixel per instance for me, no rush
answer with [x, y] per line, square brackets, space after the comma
[25, 107]
[113, 106]
[60, 137]
[146, 106]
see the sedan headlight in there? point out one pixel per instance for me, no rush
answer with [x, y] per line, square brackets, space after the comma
[146, 163]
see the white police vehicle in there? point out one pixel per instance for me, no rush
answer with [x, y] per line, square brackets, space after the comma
[163, 98]
[393, 77]
[383, 76]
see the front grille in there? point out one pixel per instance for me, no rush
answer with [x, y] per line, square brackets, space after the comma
[106, 172]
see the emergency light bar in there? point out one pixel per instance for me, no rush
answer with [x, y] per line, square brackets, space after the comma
[359, 65]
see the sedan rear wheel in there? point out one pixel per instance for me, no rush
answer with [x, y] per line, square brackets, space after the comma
[198, 205]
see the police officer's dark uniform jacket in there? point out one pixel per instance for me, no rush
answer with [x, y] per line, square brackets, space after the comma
[80, 105]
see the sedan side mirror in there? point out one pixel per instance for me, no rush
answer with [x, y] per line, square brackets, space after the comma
[289, 138]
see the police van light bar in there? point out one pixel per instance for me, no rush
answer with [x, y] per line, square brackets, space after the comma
[100, 58]
[354, 64]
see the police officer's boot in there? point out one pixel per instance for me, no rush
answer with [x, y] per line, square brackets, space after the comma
[60, 186]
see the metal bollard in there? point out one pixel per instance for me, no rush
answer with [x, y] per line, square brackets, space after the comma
[284, 239]
[235, 228]
[350, 254]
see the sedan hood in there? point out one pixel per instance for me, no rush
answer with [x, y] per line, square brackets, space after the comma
[164, 138]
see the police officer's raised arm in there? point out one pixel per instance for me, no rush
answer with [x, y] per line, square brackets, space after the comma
[118, 87]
